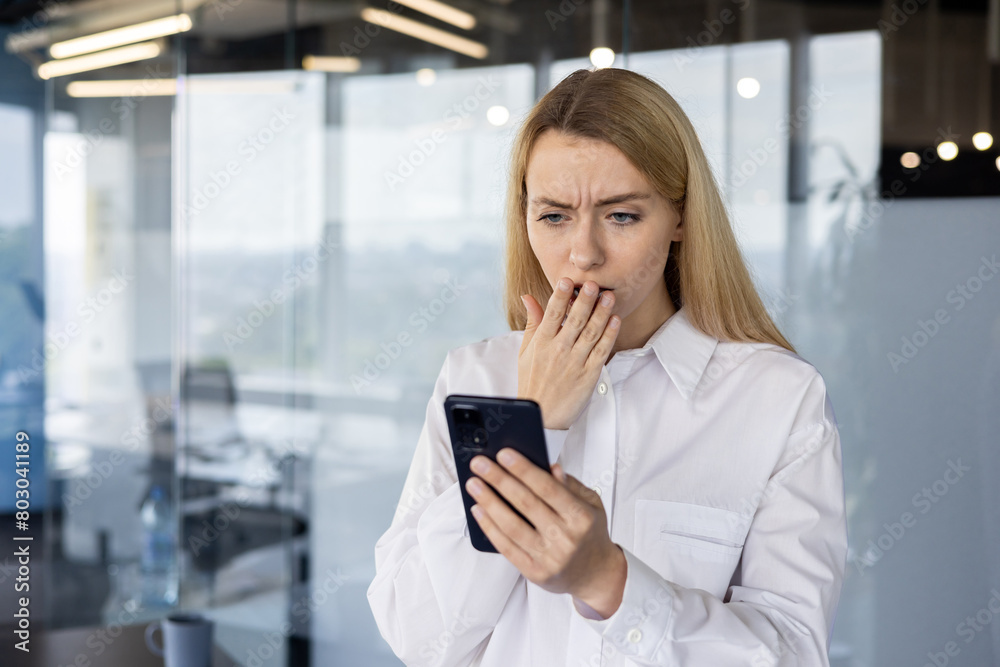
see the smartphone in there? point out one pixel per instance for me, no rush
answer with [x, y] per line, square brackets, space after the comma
[485, 425]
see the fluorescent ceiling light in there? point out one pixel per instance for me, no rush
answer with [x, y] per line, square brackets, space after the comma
[122, 88]
[425, 32]
[442, 12]
[220, 86]
[125, 54]
[331, 64]
[158, 87]
[139, 32]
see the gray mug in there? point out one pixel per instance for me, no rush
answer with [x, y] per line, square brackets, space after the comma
[187, 640]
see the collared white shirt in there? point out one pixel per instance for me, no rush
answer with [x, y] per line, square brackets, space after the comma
[719, 467]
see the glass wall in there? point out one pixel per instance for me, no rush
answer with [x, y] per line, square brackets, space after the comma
[231, 273]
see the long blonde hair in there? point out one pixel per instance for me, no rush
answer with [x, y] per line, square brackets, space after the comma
[705, 272]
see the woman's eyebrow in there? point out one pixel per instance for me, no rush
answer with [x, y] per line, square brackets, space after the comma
[617, 199]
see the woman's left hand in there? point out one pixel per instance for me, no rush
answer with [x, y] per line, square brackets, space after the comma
[569, 549]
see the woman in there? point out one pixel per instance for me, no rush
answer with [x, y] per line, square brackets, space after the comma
[695, 511]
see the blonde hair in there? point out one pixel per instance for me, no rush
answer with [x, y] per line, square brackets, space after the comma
[705, 272]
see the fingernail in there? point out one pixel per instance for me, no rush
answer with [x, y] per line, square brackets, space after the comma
[477, 512]
[565, 285]
[614, 322]
[474, 486]
[505, 456]
[480, 464]
[606, 299]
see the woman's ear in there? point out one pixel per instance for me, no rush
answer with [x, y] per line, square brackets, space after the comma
[679, 231]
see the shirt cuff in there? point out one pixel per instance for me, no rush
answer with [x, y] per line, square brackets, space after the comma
[639, 625]
[554, 441]
[586, 610]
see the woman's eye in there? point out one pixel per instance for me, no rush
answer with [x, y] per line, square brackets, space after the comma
[630, 218]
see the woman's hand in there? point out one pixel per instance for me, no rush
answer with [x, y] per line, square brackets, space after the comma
[569, 549]
[557, 367]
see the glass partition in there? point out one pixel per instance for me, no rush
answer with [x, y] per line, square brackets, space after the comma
[231, 272]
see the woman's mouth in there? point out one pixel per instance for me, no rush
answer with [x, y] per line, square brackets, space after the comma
[576, 292]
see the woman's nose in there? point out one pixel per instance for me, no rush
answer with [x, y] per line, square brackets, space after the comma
[586, 250]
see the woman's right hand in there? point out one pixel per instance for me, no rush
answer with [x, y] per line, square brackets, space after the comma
[559, 363]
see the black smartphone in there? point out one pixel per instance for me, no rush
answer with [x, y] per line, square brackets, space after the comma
[485, 425]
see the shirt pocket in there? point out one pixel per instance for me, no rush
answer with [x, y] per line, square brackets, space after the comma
[694, 546]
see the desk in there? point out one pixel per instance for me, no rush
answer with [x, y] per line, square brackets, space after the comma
[81, 646]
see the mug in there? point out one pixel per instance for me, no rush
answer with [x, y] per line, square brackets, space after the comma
[187, 640]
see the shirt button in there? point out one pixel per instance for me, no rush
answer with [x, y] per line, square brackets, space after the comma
[634, 636]
[597, 490]
[602, 388]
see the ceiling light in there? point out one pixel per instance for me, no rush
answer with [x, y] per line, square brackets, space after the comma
[910, 160]
[125, 54]
[425, 32]
[982, 140]
[442, 12]
[122, 88]
[947, 150]
[139, 32]
[426, 76]
[331, 64]
[497, 115]
[151, 87]
[748, 87]
[602, 57]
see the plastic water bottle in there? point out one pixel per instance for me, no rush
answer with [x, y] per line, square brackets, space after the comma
[158, 569]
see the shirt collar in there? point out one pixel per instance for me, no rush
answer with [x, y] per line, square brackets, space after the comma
[683, 351]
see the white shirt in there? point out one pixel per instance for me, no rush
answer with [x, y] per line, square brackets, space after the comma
[719, 466]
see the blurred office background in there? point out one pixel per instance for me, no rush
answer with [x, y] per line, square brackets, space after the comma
[237, 242]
